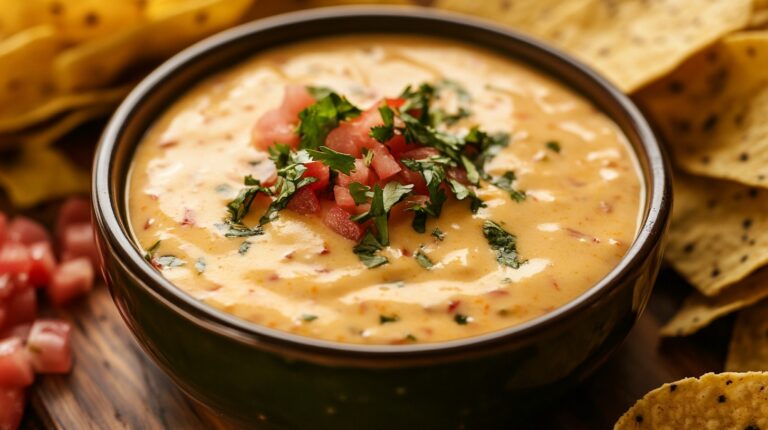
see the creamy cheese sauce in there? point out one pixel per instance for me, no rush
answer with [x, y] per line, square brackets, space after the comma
[580, 217]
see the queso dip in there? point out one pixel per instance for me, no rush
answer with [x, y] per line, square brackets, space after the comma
[541, 191]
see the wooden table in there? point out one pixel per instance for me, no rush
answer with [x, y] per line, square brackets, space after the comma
[114, 385]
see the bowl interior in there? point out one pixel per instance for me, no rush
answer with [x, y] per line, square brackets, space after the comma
[154, 94]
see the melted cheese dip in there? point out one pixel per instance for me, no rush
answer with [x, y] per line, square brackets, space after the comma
[580, 216]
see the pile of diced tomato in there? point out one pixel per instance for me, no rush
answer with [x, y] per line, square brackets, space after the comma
[33, 264]
[353, 138]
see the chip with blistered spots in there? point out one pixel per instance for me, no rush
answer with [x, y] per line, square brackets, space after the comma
[713, 110]
[712, 401]
[698, 310]
[748, 350]
[719, 232]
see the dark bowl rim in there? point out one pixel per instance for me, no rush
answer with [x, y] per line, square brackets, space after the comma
[657, 195]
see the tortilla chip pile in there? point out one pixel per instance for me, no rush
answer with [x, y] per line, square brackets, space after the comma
[64, 62]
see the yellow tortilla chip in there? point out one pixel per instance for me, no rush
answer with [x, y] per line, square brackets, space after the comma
[749, 342]
[35, 174]
[713, 401]
[719, 231]
[100, 62]
[62, 103]
[698, 310]
[25, 69]
[713, 110]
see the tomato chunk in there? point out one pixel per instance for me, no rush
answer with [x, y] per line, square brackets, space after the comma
[295, 99]
[43, 263]
[305, 201]
[345, 138]
[316, 169]
[24, 230]
[78, 241]
[71, 279]
[15, 368]
[384, 163]
[11, 408]
[408, 176]
[48, 346]
[21, 306]
[279, 125]
[362, 174]
[337, 219]
[420, 153]
[15, 259]
[7, 285]
[3, 228]
[344, 199]
[397, 145]
[75, 210]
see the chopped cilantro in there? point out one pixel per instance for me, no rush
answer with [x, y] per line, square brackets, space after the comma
[438, 234]
[462, 319]
[505, 182]
[280, 154]
[366, 251]
[384, 132]
[448, 144]
[381, 203]
[410, 337]
[360, 193]
[367, 156]
[244, 247]
[473, 176]
[240, 206]
[462, 192]
[553, 145]
[239, 230]
[335, 160]
[308, 317]
[418, 100]
[200, 265]
[385, 319]
[151, 250]
[169, 261]
[423, 259]
[317, 120]
[504, 243]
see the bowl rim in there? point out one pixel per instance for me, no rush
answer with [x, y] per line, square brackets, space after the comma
[121, 244]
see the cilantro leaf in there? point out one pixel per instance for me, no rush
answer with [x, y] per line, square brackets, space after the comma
[473, 176]
[360, 193]
[200, 265]
[438, 234]
[418, 100]
[169, 261]
[317, 120]
[385, 319]
[446, 143]
[504, 243]
[244, 247]
[308, 317]
[553, 145]
[152, 250]
[381, 203]
[366, 251]
[423, 259]
[280, 154]
[287, 187]
[461, 319]
[240, 206]
[462, 192]
[239, 230]
[338, 161]
[505, 182]
[384, 132]
[486, 145]
[367, 156]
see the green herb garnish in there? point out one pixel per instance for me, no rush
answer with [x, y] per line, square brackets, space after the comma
[168, 261]
[504, 243]
[506, 183]
[423, 259]
[366, 251]
[308, 317]
[335, 160]
[384, 132]
[461, 319]
[244, 247]
[152, 250]
[438, 234]
[317, 120]
[360, 193]
[553, 145]
[385, 319]
[381, 203]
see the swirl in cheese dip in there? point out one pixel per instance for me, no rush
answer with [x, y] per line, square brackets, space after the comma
[572, 206]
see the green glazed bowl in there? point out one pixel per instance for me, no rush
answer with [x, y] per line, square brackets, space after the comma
[268, 379]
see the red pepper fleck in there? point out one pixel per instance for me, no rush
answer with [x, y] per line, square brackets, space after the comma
[452, 305]
[498, 293]
[168, 143]
[325, 250]
[579, 235]
[323, 270]
[153, 196]
[606, 207]
[288, 256]
[189, 218]
[274, 277]
[556, 285]
[406, 253]
[149, 223]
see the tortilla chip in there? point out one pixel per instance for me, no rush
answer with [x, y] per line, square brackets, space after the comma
[100, 62]
[713, 401]
[698, 310]
[713, 110]
[719, 232]
[749, 342]
[35, 174]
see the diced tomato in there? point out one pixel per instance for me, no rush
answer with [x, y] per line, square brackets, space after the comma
[21, 306]
[71, 279]
[316, 169]
[305, 201]
[75, 210]
[408, 176]
[362, 174]
[3, 228]
[15, 369]
[345, 138]
[400, 210]
[43, 263]
[7, 285]
[11, 408]
[457, 174]
[344, 199]
[14, 259]
[397, 145]
[279, 125]
[24, 230]
[337, 219]
[384, 163]
[420, 153]
[274, 127]
[20, 331]
[395, 103]
[48, 346]
[78, 241]
[295, 99]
